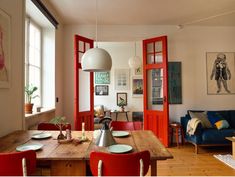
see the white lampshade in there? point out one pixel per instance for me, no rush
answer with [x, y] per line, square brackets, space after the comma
[134, 62]
[95, 60]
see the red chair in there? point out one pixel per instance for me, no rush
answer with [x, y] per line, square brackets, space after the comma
[133, 164]
[123, 125]
[50, 126]
[11, 163]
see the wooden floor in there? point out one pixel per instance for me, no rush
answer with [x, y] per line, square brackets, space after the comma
[187, 163]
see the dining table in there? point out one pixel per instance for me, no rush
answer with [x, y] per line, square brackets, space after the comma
[71, 157]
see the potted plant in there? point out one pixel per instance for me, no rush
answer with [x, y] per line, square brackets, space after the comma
[29, 95]
[60, 122]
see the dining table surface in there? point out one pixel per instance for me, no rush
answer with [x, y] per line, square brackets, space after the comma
[71, 157]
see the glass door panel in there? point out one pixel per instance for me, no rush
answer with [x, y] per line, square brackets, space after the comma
[84, 91]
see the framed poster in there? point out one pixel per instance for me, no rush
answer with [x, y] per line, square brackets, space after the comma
[122, 79]
[5, 70]
[101, 90]
[137, 86]
[220, 68]
[138, 71]
[121, 99]
[102, 77]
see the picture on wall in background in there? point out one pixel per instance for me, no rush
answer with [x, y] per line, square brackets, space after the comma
[101, 90]
[122, 79]
[220, 73]
[174, 83]
[139, 71]
[102, 77]
[121, 99]
[4, 50]
[137, 86]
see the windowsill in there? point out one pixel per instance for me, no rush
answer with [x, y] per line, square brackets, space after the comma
[43, 110]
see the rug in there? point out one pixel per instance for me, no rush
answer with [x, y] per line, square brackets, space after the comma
[227, 159]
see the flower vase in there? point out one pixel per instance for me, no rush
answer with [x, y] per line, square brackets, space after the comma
[61, 135]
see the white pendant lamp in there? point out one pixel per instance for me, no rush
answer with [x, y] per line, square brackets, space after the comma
[96, 59]
[135, 61]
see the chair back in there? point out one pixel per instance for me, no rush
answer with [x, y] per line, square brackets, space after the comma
[123, 125]
[119, 164]
[50, 126]
[11, 163]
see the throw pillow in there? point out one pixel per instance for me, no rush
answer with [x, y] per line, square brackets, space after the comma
[99, 111]
[202, 116]
[214, 117]
[221, 124]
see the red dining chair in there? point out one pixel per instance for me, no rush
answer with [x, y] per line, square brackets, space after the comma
[50, 126]
[123, 125]
[18, 163]
[106, 164]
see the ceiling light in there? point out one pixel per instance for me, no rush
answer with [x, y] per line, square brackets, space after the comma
[96, 59]
[135, 61]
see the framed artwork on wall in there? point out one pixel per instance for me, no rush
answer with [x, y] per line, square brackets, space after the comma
[139, 70]
[102, 77]
[122, 79]
[121, 99]
[5, 70]
[137, 86]
[101, 90]
[220, 68]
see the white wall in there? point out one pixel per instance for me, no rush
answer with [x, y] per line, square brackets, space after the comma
[12, 99]
[188, 45]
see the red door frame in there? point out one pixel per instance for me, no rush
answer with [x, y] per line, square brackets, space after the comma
[85, 116]
[156, 120]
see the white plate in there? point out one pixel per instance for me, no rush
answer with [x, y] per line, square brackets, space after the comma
[119, 148]
[120, 133]
[41, 135]
[26, 147]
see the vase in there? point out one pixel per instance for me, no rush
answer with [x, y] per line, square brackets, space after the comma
[61, 135]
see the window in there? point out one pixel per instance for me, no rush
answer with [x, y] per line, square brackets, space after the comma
[33, 59]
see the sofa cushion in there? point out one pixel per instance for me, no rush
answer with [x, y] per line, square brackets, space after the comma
[214, 136]
[222, 124]
[213, 117]
[99, 111]
[232, 119]
[202, 116]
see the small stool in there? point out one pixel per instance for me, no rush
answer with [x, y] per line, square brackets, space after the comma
[177, 131]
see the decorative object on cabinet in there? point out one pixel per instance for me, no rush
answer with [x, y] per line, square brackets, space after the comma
[5, 70]
[137, 86]
[101, 90]
[102, 77]
[122, 79]
[220, 73]
[96, 59]
[174, 83]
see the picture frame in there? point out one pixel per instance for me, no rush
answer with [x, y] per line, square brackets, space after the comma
[137, 86]
[138, 71]
[220, 69]
[5, 60]
[122, 80]
[102, 77]
[122, 98]
[101, 90]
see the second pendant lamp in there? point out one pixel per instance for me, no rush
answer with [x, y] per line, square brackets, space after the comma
[96, 59]
[135, 61]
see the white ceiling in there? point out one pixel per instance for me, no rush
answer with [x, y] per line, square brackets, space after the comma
[147, 12]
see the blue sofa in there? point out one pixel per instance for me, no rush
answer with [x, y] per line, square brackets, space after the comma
[210, 136]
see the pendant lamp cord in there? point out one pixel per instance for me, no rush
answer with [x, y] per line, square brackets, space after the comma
[96, 23]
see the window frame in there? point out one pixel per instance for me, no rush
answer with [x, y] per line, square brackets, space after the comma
[29, 21]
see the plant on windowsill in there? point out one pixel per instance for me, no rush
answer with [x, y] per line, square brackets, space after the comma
[29, 95]
[60, 122]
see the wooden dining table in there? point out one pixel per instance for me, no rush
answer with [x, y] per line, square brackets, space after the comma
[72, 158]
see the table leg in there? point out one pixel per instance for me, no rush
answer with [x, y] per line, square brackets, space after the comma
[233, 149]
[68, 168]
[153, 167]
[127, 117]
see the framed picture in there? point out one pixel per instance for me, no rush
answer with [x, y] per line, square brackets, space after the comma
[121, 99]
[139, 70]
[122, 79]
[102, 77]
[137, 86]
[220, 73]
[101, 90]
[5, 70]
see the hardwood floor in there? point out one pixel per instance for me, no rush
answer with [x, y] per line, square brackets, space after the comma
[187, 163]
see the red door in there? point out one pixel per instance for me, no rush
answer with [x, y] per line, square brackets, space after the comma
[156, 111]
[83, 88]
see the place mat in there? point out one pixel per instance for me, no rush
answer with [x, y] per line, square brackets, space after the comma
[227, 159]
